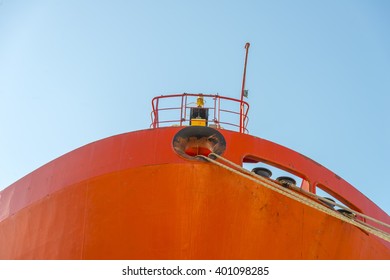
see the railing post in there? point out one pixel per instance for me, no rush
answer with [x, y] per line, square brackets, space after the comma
[215, 109]
[157, 121]
[181, 111]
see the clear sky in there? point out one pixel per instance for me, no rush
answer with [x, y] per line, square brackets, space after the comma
[72, 72]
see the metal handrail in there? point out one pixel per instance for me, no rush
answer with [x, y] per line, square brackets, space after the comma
[218, 114]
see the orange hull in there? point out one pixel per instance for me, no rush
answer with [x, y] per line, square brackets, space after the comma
[132, 197]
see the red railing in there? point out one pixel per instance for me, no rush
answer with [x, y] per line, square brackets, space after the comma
[224, 112]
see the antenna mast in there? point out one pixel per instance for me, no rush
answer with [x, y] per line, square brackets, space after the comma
[247, 45]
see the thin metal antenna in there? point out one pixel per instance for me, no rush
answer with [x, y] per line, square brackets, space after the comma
[247, 45]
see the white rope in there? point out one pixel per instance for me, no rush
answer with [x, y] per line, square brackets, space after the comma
[298, 197]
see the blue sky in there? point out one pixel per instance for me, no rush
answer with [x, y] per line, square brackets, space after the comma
[72, 72]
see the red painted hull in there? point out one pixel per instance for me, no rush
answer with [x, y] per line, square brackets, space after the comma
[132, 197]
